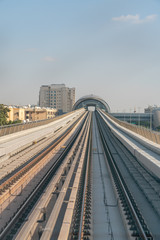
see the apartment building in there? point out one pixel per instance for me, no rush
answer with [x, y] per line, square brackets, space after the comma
[16, 113]
[57, 96]
[30, 113]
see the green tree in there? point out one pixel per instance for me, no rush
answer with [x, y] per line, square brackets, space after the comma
[3, 114]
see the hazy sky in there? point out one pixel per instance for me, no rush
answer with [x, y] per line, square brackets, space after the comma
[110, 48]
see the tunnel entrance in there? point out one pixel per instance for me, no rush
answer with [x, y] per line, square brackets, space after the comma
[93, 102]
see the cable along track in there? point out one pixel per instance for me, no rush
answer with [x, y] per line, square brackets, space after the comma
[21, 213]
[138, 229]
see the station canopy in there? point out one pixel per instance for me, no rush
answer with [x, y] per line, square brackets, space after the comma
[91, 100]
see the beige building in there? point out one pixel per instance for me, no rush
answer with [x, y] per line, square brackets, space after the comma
[16, 114]
[35, 114]
[51, 112]
[57, 96]
[30, 114]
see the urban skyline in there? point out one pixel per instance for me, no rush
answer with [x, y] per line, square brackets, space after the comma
[91, 45]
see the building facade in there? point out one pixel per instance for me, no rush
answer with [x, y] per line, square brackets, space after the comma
[155, 112]
[30, 113]
[57, 96]
[16, 114]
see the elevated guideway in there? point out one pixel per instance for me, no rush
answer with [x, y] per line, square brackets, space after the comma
[146, 151]
[105, 212]
[19, 188]
[15, 142]
[136, 188]
[84, 176]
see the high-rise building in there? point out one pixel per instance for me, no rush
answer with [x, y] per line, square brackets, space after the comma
[57, 96]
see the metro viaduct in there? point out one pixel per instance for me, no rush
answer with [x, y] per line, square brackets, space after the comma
[91, 100]
[82, 176]
[145, 119]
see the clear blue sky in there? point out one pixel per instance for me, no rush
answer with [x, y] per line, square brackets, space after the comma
[110, 48]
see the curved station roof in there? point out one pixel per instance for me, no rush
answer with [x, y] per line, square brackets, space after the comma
[91, 100]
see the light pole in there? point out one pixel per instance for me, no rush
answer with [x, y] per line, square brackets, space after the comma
[124, 115]
[150, 119]
[130, 115]
[139, 117]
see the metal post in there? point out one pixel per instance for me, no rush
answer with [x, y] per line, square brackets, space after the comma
[139, 116]
[124, 116]
[1, 211]
[150, 119]
[130, 115]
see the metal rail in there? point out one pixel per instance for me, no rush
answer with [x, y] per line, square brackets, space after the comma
[41, 185]
[21, 157]
[120, 181]
[144, 179]
[23, 169]
[80, 225]
[85, 191]
[55, 188]
[55, 222]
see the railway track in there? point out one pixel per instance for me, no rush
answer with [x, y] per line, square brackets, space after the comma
[138, 229]
[18, 160]
[10, 179]
[61, 218]
[46, 162]
[81, 221]
[59, 205]
[14, 183]
[60, 195]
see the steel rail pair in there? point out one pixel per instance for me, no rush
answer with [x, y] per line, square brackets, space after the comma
[27, 166]
[86, 192]
[81, 220]
[123, 191]
[23, 211]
